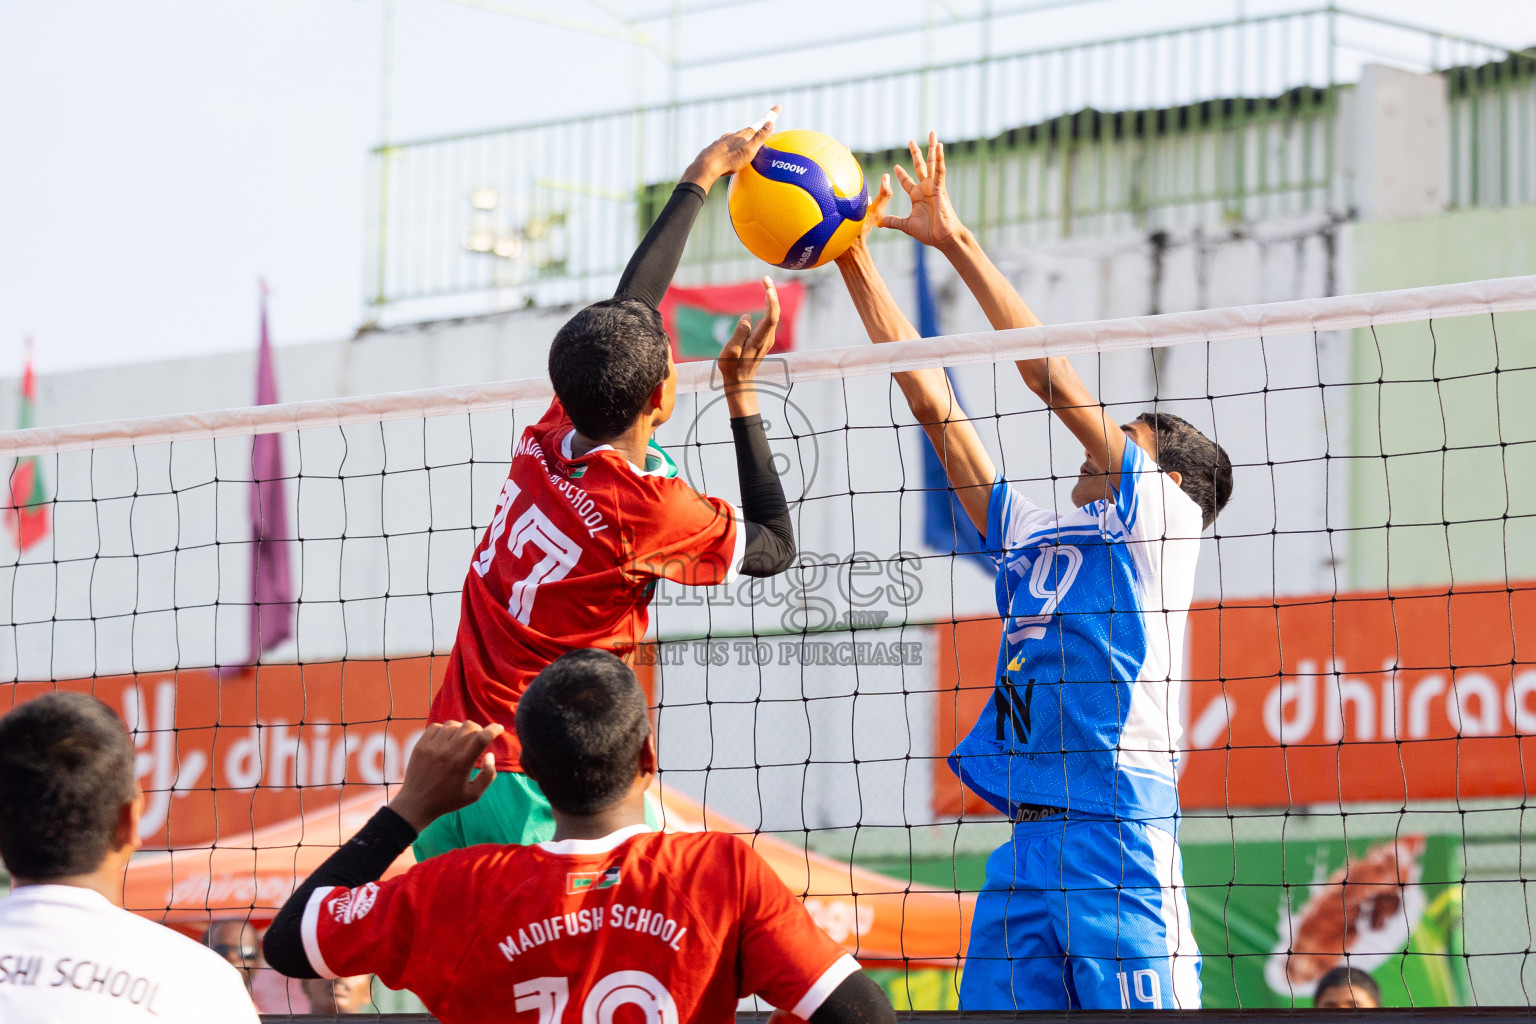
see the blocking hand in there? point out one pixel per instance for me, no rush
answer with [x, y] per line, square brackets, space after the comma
[438, 779]
[745, 351]
[933, 220]
[875, 217]
[730, 152]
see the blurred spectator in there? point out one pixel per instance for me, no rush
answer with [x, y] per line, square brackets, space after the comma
[273, 993]
[69, 822]
[341, 995]
[1347, 987]
[236, 941]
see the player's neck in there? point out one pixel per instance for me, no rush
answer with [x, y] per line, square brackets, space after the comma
[107, 879]
[631, 444]
[624, 814]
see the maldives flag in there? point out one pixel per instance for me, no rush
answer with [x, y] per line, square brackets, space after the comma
[27, 515]
[700, 320]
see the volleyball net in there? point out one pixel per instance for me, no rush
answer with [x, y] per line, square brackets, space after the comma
[268, 595]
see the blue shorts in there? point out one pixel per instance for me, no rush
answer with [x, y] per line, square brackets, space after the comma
[1085, 913]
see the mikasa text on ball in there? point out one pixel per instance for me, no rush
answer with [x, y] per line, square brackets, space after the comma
[801, 202]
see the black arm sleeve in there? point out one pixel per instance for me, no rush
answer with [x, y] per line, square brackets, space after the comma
[651, 268]
[364, 858]
[858, 1000]
[770, 536]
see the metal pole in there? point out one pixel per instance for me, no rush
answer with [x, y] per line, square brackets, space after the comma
[926, 107]
[1330, 138]
[674, 88]
[984, 126]
[638, 190]
[386, 94]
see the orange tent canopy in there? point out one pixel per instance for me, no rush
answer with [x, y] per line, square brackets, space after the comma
[878, 918]
[252, 874]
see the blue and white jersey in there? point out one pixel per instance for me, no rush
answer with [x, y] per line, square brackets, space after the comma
[1085, 713]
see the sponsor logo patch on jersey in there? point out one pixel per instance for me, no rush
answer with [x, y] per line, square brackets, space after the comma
[353, 903]
[577, 882]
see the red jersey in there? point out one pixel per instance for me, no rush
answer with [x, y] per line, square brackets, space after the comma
[569, 561]
[681, 925]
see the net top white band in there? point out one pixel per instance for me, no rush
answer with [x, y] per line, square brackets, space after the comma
[1275, 319]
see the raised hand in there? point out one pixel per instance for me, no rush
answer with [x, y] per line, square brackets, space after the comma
[933, 220]
[875, 215]
[730, 152]
[438, 779]
[745, 351]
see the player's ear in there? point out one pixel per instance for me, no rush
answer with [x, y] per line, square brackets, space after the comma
[126, 834]
[1176, 477]
[648, 762]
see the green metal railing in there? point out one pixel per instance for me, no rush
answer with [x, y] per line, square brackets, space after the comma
[1207, 124]
[1493, 132]
[1218, 162]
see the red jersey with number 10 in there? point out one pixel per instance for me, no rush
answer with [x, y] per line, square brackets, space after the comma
[636, 928]
[569, 561]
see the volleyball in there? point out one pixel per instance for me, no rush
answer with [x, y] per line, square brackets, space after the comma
[801, 202]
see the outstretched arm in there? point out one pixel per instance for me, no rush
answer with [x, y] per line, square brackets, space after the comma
[770, 535]
[650, 269]
[931, 399]
[934, 222]
[437, 781]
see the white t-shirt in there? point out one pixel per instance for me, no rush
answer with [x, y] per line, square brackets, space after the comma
[67, 954]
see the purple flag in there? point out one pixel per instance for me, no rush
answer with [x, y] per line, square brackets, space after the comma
[271, 578]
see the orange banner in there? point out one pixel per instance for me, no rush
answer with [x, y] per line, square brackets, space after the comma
[966, 652]
[1421, 695]
[228, 756]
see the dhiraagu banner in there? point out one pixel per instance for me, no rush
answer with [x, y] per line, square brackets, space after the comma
[1271, 918]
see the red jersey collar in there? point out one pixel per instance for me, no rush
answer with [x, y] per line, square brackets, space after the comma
[565, 453]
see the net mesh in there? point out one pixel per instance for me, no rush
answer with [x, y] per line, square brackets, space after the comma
[1360, 690]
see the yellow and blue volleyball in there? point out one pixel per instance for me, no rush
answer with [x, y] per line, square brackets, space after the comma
[801, 202]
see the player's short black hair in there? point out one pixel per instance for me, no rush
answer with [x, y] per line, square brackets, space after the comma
[605, 362]
[1202, 464]
[582, 722]
[1352, 978]
[66, 770]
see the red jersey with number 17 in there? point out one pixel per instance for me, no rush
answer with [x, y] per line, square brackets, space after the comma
[677, 927]
[569, 561]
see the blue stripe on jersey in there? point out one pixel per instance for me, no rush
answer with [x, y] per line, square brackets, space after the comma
[1128, 495]
[795, 169]
[1074, 646]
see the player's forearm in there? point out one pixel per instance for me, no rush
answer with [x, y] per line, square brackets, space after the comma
[999, 299]
[364, 858]
[966, 464]
[741, 399]
[770, 534]
[1054, 381]
[857, 1000]
[651, 268]
[882, 317]
[1050, 379]
[927, 391]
